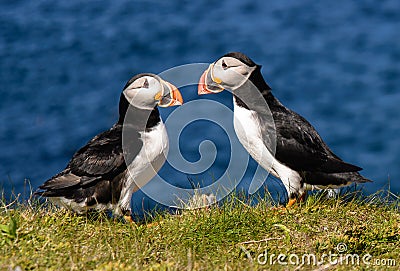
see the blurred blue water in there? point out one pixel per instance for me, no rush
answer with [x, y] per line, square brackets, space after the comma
[64, 63]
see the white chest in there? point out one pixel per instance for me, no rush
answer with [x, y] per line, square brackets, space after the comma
[155, 143]
[248, 131]
[147, 163]
[151, 157]
[247, 128]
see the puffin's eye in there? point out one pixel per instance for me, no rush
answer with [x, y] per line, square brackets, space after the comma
[146, 83]
[224, 66]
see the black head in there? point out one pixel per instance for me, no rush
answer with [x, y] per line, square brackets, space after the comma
[241, 57]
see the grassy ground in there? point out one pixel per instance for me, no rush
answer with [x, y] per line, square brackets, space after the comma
[234, 236]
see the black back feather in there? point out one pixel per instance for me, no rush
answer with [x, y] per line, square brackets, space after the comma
[299, 146]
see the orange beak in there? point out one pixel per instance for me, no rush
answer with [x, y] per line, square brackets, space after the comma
[172, 97]
[203, 88]
[175, 95]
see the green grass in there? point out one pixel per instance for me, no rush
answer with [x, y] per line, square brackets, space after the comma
[228, 237]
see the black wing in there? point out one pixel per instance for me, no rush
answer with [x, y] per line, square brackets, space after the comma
[101, 158]
[299, 146]
[101, 155]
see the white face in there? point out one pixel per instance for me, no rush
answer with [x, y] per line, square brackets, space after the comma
[147, 91]
[142, 93]
[230, 72]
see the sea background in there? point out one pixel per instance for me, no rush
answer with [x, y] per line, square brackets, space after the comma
[64, 63]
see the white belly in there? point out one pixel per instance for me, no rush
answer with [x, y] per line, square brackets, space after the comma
[146, 164]
[80, 207]
[248, 131]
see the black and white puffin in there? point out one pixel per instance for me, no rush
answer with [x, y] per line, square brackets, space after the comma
[302, 160]
[105, 173]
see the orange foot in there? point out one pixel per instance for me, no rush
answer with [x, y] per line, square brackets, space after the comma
[280, 209]
[294, 200]
[153, 224]
[128, 219]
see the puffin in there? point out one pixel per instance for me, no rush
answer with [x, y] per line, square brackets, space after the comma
[280, 140]
[104, 174]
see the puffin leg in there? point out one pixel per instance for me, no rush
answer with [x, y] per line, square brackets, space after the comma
[128, 219]
[302, 197]
[127, 215]
[152, 224]
[291, 202]
[295, 199]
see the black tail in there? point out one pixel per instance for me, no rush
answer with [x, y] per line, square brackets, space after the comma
[333, 179]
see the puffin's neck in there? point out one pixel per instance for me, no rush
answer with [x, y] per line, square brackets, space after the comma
[258, 80]
[143, 119]
[253, 92]
[123, 107]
